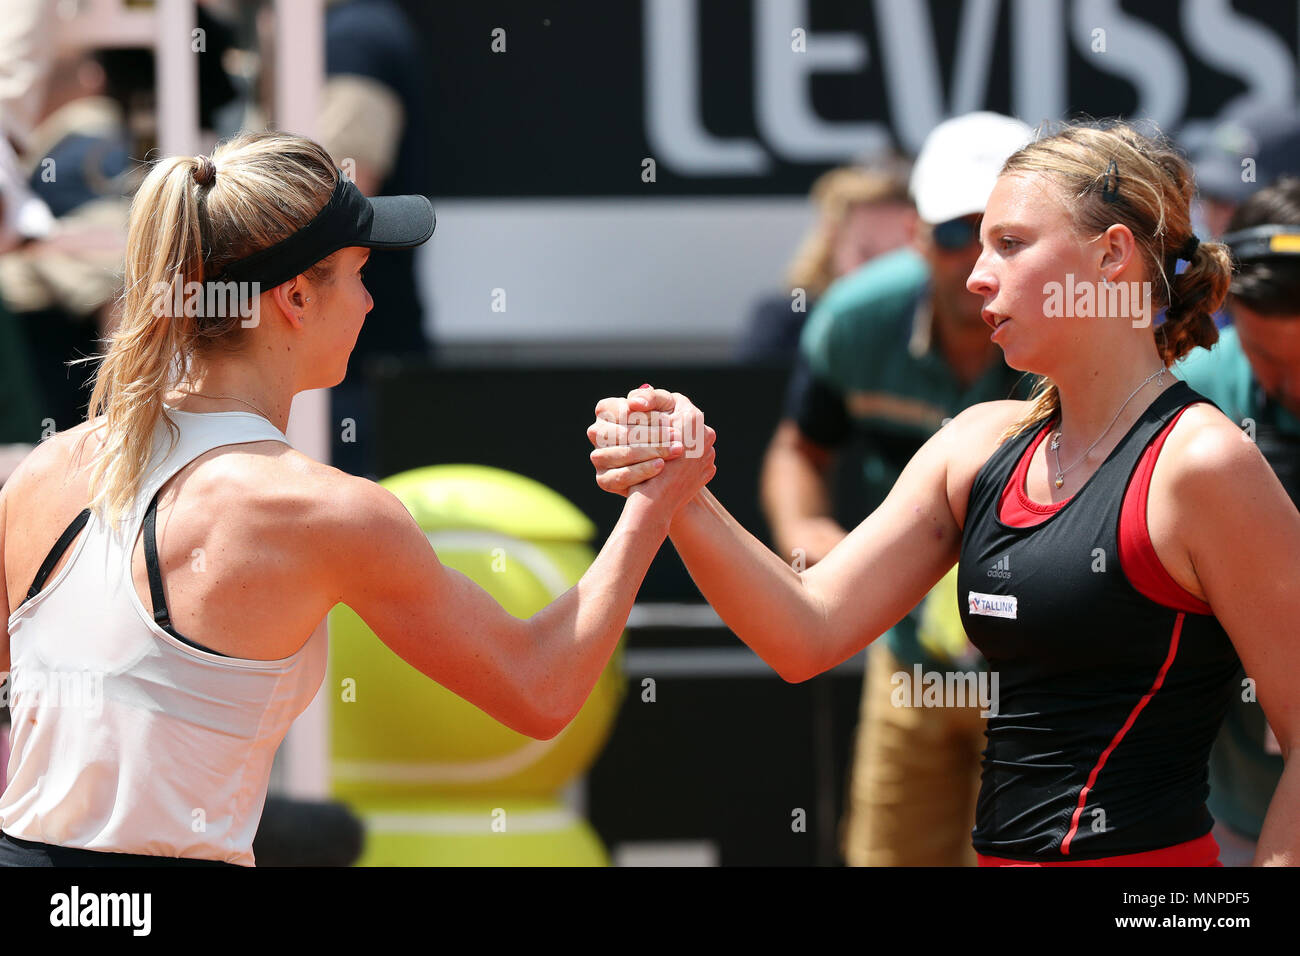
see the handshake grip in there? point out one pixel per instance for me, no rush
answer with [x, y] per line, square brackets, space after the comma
[636, 438]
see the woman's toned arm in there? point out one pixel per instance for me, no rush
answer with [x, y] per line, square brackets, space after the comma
[532, 675]
[804, 624]
[1242, 534]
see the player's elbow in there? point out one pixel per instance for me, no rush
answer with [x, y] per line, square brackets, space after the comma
[547, 723]
[549, 728]
[796, 672]
[526, 718]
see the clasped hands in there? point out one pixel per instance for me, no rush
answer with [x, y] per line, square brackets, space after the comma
[655, 442]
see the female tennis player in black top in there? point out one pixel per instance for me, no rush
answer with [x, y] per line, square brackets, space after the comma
[1119, 541]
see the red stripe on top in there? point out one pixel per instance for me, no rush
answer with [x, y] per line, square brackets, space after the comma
[1016, 508]
[1203, 851]
[1137, 555]
[1101, 761]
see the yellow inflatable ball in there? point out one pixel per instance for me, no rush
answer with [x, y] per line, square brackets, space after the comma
[395, 732]
[443, 830]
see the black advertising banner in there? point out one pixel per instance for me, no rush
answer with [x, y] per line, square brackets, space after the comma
[746, 97]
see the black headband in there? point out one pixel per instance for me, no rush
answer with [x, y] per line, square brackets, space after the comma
[347, 219]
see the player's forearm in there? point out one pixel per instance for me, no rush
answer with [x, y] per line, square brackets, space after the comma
[1279, 840]
[796, 503]
[756, 594]
[575, 635]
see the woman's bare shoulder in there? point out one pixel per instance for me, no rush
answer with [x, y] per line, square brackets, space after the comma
[977, 430]
[973, 436]
[1205, 442]
[272, 476]
[53, 461]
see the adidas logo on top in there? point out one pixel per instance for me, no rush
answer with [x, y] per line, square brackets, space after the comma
[1001, 568]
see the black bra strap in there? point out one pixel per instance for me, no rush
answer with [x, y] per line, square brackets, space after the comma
[160, 614]
[162, 617]
[56, 552]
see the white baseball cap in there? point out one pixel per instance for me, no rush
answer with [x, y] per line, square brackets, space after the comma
[959, 164]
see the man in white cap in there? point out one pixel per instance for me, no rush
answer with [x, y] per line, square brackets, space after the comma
[889, 353]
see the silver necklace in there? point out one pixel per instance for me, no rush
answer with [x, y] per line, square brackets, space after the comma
[1056, 438]
[231, 397]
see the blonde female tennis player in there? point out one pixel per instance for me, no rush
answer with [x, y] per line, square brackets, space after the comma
[167, 562]
[1119, 541]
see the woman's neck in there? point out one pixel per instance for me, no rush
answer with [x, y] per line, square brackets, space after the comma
[234, 386]
[1093, 399]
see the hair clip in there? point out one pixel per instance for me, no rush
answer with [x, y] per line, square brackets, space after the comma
[1110, 188]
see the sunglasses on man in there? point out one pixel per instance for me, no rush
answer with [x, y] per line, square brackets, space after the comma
[955, 235]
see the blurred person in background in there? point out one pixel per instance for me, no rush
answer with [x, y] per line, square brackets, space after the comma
[27, 32]
[96, 112]
[373, 113]
[1249, 149]
[1253, 374]
[62, 289]
[891, 351]
[861, 213]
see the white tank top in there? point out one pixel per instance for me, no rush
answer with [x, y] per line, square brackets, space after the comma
[126, 739]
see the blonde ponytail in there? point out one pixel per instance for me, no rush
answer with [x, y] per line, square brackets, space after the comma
[190, 218]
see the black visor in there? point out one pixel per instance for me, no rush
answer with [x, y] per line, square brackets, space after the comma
[348, 219]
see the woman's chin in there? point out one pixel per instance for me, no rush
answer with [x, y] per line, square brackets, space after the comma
[1017, 360]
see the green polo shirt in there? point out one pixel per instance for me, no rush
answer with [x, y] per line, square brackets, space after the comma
[869, 342]
[1243, 774]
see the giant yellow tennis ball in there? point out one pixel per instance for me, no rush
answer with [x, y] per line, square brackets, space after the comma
[443, 830]
[393, 730]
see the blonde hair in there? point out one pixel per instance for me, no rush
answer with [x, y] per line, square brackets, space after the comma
[835, 194]
[1115, 175]
[191, 217]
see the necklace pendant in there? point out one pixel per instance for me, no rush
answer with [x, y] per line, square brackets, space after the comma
[1060, 480]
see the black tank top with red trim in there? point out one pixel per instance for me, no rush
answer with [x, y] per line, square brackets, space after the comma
[1106, 702]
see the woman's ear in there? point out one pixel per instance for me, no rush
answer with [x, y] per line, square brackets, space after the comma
[291, 299]
[1118, 249]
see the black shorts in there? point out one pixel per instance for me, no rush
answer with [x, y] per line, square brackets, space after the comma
[16, 852]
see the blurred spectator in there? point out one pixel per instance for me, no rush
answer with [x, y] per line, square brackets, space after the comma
[25, 50]
[861, 213]
[1253, 374]
[62, 288]
[26, 46]
[373, 123]
[1247, 151]
[890, 352]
